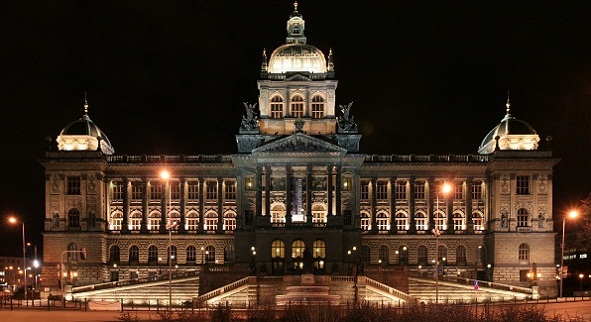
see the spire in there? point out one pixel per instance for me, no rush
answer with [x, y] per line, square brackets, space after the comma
[508, 104]
[295, 27]
[264, 61]
[85, 104]
[330, 63]
[295, 6]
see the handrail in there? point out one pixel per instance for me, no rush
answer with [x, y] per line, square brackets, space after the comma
[225, 289]
[388, 289]
[474, 158]
[133, 281]
[481, 283]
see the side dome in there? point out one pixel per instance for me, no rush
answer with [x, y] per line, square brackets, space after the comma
[297, 57]
[84, 135]
[512, 134]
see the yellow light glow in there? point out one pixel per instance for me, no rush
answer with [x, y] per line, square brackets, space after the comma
[573, 213]
[164, 174]
[446, 188]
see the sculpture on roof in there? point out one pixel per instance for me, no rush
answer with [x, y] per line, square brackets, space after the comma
[346, 123]
[249, 123]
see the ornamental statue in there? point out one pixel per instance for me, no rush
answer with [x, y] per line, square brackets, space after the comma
[249, 123]
[346, 123]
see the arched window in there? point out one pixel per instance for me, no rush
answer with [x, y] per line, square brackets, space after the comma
[383, 222]
[422, 252]
[317, 107]
[229, 254]
[318, 215]
[384, 254]
[459, 221]
[478, 220]
[276, 107]
[524, 254]
[191, 255]
[210, 254]
[152, 254]
[401, 221]
[171, 254]
[154, 221]
[192, 221]
[365, 254]
[134, 255]
[365, 221]
[319, 249]
[114, 254]
[402, 255]
[297, 248]
[442, 253]
[72, 254]
[211, 221]
[278, 249]
[297, 106]
[480, 255]
[440, 220]
[135, 220]
[522, 218]
[461, 255]
[74, 218]
[116, 220]
[421, 221]
[278, 214]
[173, 219]
[229, 221]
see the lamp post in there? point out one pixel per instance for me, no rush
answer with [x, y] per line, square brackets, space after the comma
[165, 175]
[13, 220]
[571, 214]
[446, 188]
[581, 278]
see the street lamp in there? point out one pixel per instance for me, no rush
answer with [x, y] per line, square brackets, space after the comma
[445, 189]
[13, 220]
[165, 175]
[581, 278]
[571, 214]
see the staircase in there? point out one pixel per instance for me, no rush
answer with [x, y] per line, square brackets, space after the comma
[423, 290]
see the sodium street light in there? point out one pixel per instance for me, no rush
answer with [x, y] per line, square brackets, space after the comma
[571, 214]
[445, 189]
[165, 175]
[13, 220]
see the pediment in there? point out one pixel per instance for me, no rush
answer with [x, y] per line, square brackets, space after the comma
[297, 77]
[299, 142]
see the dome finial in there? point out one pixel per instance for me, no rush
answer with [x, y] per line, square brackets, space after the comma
[295, 6]
[264, 61]
[330, 62]
[508, 104]
[85, 104]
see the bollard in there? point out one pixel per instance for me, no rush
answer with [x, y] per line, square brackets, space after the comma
[121, 305]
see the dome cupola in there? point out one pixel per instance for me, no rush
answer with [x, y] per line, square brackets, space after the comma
[84, 135]
[510, 134]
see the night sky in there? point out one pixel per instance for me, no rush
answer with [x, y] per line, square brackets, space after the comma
[169, 77]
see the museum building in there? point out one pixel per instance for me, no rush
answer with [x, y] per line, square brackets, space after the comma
[298, 184]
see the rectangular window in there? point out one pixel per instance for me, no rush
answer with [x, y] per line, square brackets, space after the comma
[117, 191]
[73, 185]
[382, 190]
[347, 184]
[193, 190]
[364, 190]
[522, 185]
[175, 190]
[477, 190]
[136, 190]
[459, 190]
[230, 190]
[155, 191]
[400, 190]
[420, 190]
[249, 184]
[212, 190]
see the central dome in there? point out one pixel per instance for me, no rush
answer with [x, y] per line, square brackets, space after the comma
[297, 58]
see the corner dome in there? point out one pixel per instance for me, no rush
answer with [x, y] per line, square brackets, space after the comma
[84, 135]
[297, 57]
[512, 134]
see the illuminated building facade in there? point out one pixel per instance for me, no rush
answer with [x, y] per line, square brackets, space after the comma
[297, 183]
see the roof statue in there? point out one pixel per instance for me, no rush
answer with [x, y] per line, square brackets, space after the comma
[249, 123]
[346, 123]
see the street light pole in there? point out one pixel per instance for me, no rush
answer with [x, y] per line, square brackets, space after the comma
[444, 189]
[13, 221]
[571, 214]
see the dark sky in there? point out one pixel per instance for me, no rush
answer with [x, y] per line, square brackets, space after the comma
[169, 77]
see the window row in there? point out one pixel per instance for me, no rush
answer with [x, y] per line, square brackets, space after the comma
[154, 220]
[193, 255]
[297, 107]
[155, 190]
[440, 220]
[401, 189]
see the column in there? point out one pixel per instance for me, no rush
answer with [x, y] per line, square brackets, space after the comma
[309, 195]
[144, 224]
[338, 186]
[259, 193]
[201, 226]
[125, 222]
[431, 200]
[469, 222]
[393, 226]
[329, 212]
[182, 192]
[163, 206]
[220, 195]
[288, 194]
[373, 182]
[268, 192]
[411, 198]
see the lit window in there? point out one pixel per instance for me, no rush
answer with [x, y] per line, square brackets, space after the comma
[478, 221]
[347, 184]
[192, 221]
[278, 249]
[440, 220]
[175, 190]
[522, 218]
[382, 190]
[317, 107]
[524, 253]
[154, 221]
[383, 221]
[276, 107]
[318, 215]
[135, 221]
[297, 248]
[401, 221]
[211, 221]
[319, 248]
[230, 190]
[477, 189]
[229, 221]
[278, 214]
[364, 190]
[421, 221]
[155, 191]
[365, 221]
[210, 254]
[249, 183]
[297, 106]
[117, 191]
[192, 190]
[116, 221]
[459, 221]
[400, 190]
[459, 190]
[420, 189]
[211, 190]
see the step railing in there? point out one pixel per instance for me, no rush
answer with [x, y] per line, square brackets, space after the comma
[249, 280]
[134, 281]
[481, 283]
[387, 289]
